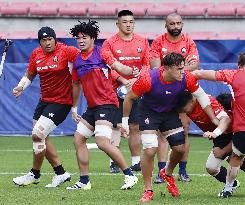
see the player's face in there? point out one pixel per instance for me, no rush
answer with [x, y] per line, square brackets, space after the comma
[84, 42]
[125, 24]
[174, 25]
[47, 44]
[189, 107]
[177, 72]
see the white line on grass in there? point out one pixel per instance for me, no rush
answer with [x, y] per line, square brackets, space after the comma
[93, 174]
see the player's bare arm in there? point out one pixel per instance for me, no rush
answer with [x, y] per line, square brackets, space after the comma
[23, 84]
[76, 90]
[204, 74]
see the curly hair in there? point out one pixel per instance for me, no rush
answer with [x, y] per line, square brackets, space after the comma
[90, 28]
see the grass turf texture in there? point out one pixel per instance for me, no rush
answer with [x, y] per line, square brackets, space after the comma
[16, 158]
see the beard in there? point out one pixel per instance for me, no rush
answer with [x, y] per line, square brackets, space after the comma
[174, 32]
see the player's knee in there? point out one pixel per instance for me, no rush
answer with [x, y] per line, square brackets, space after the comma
[39, 146]
[83, 130]
[103, 131]
[79, 139]
[180, 149]
[212, 171]
[149, 141]
[102, 142]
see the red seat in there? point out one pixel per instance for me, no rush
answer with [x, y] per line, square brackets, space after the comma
[202, 35]
[62, 34]
[139, 9]
[105, 9]
[195, 9]
[76, 9]
[23, 35]
[163, 9]
[105, 35]
[224, 9]
[17, 8]
[47, 9]
[241, 11]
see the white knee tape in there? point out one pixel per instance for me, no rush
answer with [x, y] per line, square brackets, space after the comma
[213, 162]
[83, 130]
[149, 141]
[236, 151]
[103, 131]
[38, 147]
[43, 127]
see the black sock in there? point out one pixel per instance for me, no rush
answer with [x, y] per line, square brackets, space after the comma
[221, 176]
[59, 170]
[36, 173]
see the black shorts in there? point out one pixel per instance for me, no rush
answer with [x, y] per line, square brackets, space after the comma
[151, 120]
[54, 111]
[222, 140]
[134, 114]
[101, 112]
[238, 141]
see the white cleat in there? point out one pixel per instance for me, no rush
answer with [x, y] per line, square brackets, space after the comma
[59, 179]
[129, 182]
[26, 179]
[79, 186]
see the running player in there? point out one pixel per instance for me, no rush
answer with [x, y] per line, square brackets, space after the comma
[90, 71]
[159, 89]
[50, 62]
[128, 49]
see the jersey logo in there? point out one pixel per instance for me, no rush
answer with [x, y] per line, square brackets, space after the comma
[164, 50]
[139, 50]
[38, 61]
[118, 51]
[168, 92]
[102, 115]
[147, 121]
[55, 59]
[183, 50]
[51, 114]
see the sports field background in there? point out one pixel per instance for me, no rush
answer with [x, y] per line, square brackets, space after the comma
[16, 159]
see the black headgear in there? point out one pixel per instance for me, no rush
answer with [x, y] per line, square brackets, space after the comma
[45, 32]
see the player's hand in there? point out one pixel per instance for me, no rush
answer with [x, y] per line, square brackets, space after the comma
[209, 135]
[119, 126]
[17, 91]
[76, 118]
[125, 127]
[136, 72]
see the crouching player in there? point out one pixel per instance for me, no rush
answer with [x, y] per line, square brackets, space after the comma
[221, 134]
[159, 89]
[91, 72]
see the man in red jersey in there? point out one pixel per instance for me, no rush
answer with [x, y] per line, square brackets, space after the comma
[236, 79]
[174, 41]
[159, 89]
[90, 71]
[221, 134]
[50, 62]
[130, 50]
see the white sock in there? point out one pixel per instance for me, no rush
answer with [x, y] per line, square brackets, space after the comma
[135, 160]
[232, 173]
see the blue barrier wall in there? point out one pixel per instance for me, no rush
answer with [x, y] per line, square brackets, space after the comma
[16, 113]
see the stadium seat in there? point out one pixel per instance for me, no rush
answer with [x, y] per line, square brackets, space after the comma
[76, 9]
[241, 11]
[105, 9]
[22, 35]
[47, 9]
[17, 8]
[149, 35]
[163, 9]
[224, 9]
[230, 36]
[105, 35]
[139, 9]
[4, 35]
[194, 9]
[63, 34]
[202, 35]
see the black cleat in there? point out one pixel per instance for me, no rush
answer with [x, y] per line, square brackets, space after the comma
[114, 169]
[136, 167]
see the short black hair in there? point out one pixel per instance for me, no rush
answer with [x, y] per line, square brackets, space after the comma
[225, 100]
[125, 13]
[172, 59]
[90, 28]
[183, 98]
[241, 60]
